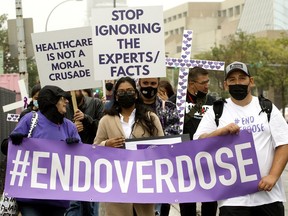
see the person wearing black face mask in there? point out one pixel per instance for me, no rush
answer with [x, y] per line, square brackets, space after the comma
[165, 110]
[271, 143]
[198, 102]
[127, 118]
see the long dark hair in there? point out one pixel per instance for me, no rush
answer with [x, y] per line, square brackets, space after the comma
[142, 111]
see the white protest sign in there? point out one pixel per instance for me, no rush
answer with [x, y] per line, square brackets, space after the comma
[128, 42]
[65, 58]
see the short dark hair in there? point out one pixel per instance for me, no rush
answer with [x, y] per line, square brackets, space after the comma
[167, 86]
[36, 88]
[195, 72]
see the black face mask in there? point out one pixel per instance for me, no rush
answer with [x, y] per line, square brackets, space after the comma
[238, 92]
[126, 101]
[201, 94]
[148, 92]
[109, 86]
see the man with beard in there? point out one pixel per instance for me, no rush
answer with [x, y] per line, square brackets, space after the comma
[197, 103]
[86, 119]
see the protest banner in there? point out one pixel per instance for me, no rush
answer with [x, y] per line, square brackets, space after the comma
[65, 58]
[128, 42]
[193, 171]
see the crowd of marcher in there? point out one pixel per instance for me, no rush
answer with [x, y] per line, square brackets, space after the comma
[147, 108]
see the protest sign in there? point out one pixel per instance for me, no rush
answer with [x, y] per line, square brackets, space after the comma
[128, 42]
[193, 171]
[65, 58]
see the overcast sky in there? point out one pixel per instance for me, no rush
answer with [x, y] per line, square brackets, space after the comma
[70, 14]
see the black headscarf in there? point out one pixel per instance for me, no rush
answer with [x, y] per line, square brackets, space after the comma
[47, 100]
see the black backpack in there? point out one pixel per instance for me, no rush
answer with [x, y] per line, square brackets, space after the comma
[265, 104]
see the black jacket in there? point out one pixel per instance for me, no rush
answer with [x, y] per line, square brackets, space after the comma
[93, 110]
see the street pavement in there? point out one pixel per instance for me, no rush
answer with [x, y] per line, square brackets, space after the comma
[174, 210]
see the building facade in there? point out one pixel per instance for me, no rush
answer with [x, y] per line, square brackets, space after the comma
[213, 22]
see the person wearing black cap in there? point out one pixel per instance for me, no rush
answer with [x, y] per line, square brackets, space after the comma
[51, 125]
[270, 140]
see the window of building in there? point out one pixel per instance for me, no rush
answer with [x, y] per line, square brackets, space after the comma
[169, 19]
[166, 33]
[185, 14]
[171, 32]
[174, 17]
[176, 31]
[237, 10]
[224, 13]
[230, 12]
[179, 16]
[178, 49]
[181, 30]
[165, 20]
[219, 13]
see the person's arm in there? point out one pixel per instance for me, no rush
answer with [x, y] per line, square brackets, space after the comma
[231, 128]
[278, 165]
[90, 122]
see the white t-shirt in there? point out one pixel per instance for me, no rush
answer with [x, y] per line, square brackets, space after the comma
[267, 136]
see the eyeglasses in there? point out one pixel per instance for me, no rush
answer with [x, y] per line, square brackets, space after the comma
[123, 92]
[202, 83]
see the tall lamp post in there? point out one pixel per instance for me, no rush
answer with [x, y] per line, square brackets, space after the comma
[47, 20]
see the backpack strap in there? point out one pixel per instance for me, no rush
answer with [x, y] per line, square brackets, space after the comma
[34, 121]
[266, 106]
[218, 109]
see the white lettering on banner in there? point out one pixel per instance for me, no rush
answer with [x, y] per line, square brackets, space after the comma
[160, 177]
[106, 171]
[78, 160]
[123, 182]
[98, 175]
[227, 166]
[242, 163]
[37, 170]
[141, 176]
[179, 163]
[64, 176]
[199, 165]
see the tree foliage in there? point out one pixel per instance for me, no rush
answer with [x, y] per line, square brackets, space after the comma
[266, 58]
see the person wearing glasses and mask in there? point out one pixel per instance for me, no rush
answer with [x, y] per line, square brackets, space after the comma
[198, 102]
[127, 118]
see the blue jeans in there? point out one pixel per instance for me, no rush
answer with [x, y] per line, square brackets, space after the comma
[80, 208]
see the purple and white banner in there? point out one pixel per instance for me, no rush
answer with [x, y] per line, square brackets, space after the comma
[201, 170]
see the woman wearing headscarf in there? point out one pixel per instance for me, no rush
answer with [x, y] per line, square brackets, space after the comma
[128, 118]
[51, 125]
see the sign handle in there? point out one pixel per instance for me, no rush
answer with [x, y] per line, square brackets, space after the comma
[74, 102]
[75, 106]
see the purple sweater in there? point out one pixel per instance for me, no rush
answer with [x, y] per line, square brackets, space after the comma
[46, 129]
